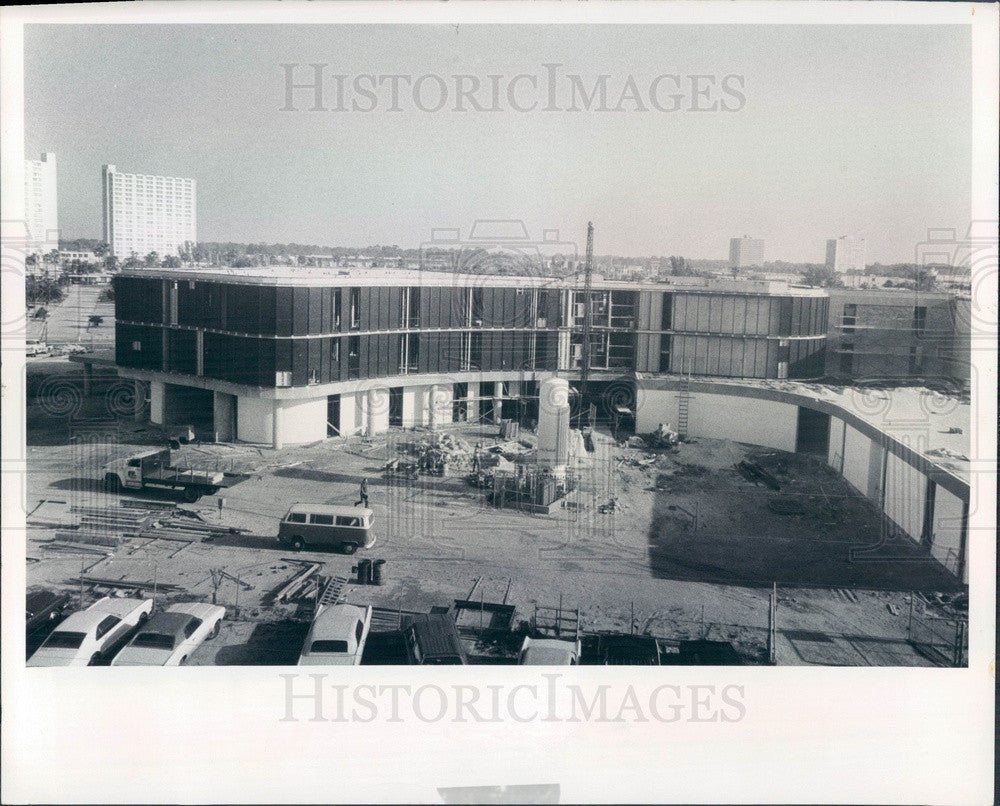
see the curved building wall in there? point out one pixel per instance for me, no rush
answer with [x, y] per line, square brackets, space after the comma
[734, 335]
[922, 500]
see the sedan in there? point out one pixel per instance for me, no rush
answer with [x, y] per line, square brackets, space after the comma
[91, 635]
[169, 638]
[337, 636]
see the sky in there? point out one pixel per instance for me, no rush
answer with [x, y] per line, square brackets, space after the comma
[830, 130]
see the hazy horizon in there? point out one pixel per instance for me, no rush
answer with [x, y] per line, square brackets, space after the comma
[845, 130]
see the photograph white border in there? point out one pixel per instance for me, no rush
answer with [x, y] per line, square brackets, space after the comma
[200, 734]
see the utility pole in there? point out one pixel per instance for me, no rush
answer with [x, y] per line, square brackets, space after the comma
[588, 284]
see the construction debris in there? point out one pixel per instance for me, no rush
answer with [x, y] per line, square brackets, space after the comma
[755, 474]
[947, 454]
[664, 437]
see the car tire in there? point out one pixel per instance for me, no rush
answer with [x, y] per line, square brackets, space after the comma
[348, 548]
[183, 661]
[143, 617]
[298, 543]
[215, 630]
[112, 483]
[95, 659]
[191, 494]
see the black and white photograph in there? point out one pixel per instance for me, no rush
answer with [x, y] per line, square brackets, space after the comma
[632, 336]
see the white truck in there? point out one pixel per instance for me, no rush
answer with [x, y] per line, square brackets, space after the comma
[154, 469]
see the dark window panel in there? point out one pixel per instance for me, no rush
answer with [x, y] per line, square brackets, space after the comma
[315, 311]
[283, 311]
[300, 362]
[300, 311]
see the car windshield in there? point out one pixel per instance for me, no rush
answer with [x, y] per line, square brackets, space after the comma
[154, 640]
[65, 640]
[339, 647]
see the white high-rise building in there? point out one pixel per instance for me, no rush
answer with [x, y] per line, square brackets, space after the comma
[41, 203]
[144, 213]
[846, 253]
[746, 251]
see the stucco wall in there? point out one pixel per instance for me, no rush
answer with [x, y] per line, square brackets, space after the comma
[946, 537]
[760, 422]
[255, 419]
[301, 421]
[905, 495]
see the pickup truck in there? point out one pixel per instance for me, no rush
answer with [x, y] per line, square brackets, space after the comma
[154, 469]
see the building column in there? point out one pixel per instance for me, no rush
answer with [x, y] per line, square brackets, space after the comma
[222, 417]
[497, 401]
[88, 377]
[276, 427]
[139, 401]
[432, 412]
[158, 402]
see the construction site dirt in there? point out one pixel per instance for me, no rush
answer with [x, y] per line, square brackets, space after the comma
[690, 549]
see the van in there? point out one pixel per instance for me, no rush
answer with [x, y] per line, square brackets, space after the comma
[433, 639]
[327, 526]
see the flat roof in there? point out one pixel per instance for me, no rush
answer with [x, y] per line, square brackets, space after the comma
[334, 275]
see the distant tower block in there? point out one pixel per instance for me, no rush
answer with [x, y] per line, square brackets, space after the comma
[553, 425]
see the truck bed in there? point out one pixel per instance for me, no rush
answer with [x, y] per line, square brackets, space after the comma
[176, 475]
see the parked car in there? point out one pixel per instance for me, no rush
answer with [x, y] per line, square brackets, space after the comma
[433, 639]
[549, 652]
[42, 608]
[337, 636]
[344, 528]
[169, 638]
[91, 635]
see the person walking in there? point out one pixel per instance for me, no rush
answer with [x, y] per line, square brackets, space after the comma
[364, 494]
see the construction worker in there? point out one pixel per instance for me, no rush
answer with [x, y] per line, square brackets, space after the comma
[364, 494]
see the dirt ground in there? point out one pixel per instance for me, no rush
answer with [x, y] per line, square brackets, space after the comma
[690, 551]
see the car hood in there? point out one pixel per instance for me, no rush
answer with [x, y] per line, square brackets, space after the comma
[142, 656]
[56, 657]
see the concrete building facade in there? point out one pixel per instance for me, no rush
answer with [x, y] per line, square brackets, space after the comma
[846, 253]
[745, 252]
[144, 213]
[41, 203]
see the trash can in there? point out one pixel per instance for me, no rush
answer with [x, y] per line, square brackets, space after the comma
[377, 572]
[364, 572]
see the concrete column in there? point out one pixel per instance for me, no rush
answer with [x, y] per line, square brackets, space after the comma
[377, 413]
[223, 423]
[276, 442]
[88, 377]
[139, 401]
[432, 412]
[157, 402]
[497, 401]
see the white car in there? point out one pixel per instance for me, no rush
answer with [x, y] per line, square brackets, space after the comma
[169, 638]
[549, 652]
[337, 636]
[90, 635]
